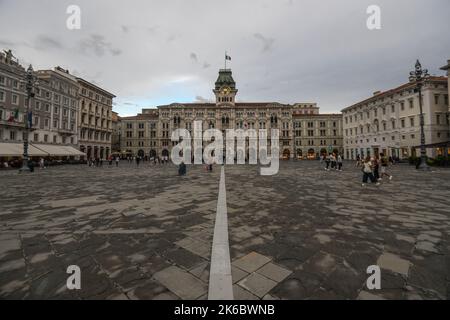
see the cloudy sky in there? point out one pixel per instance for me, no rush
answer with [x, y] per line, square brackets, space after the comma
[154, 52]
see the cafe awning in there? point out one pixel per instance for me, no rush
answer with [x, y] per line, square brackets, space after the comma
[16, 150]
[38, 150]
[59, 151]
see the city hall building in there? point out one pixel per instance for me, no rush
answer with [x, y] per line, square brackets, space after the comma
[304, 132]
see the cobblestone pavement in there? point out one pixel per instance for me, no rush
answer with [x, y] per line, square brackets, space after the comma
[146, 233]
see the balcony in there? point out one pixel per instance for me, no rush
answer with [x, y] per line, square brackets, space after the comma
[12, 124]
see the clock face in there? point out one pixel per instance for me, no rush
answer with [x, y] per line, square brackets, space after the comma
[226, 90]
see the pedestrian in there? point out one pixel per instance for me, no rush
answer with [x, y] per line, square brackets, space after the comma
[117, 161]
[333, 161]
[41, 163]
[367, 170]
[327, 162]
[339, 162]
[182, 169]
[358, 161]
[376, 167]
[384, 165]
[137, 161]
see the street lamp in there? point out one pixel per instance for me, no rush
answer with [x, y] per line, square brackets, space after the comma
[418, 76]
[30, 83]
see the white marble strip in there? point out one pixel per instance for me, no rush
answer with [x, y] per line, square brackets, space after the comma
[220, 281]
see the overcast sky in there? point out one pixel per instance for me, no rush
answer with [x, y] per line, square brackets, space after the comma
[154, 52]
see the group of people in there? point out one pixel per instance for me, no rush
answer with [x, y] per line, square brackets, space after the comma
[332, 161]
[374, 169]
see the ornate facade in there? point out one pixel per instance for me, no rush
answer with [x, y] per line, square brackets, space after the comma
[304, 132]
[389, 122]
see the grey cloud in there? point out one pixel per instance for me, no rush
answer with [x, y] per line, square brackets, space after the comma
[44, 42]
[98, 45]
[306, 46]
[267, 42]
[201, 99]
[193, 57]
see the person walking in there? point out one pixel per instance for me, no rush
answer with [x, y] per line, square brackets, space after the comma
[376, 167]
[358, 161]
[339, 162]
[333, 161]
[137, 161]
[117, 161]
[327, 162]
[182, 169]
[367, 169]
[384, 165]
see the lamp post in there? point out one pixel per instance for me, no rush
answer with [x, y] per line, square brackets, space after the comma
[418, 76]
[29, 85]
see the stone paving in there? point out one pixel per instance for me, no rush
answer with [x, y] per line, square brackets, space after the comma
[145, 233]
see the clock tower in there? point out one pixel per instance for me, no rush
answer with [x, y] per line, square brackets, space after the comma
[225, 88]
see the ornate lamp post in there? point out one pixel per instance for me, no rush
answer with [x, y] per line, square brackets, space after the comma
[419, 76]
[29, 85]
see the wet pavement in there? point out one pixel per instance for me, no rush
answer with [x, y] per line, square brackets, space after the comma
[145, 233]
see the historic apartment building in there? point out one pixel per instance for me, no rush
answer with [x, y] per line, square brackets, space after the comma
[12, 98]
[55, 108]
[53, 111]
[389, 122]
[304, 132]
[447, 69]
[67, 113]
[95, 120]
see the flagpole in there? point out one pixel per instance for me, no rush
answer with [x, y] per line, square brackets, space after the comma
[225, 60]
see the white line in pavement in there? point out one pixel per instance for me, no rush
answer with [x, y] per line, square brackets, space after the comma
[220, 281]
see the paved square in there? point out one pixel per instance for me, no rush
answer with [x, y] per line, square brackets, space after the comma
[145, 233]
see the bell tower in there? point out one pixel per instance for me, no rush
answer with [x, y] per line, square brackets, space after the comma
[225, 88]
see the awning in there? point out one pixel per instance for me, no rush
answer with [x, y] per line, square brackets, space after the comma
[59, 151]
[16, 150]
[73, 151]
[38, 150]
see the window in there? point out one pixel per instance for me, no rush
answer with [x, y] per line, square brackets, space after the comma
[54, 139]
[12, 135]
[411, 104]
[411, 122]
[2, 80]
[15, 99]
[392, 108]
[402, 106]
[436, 99]
[55, 110]
[46, 123]
[2, 96]
[36, 137]
[37, 105]
[403, 123]
[438, 119]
